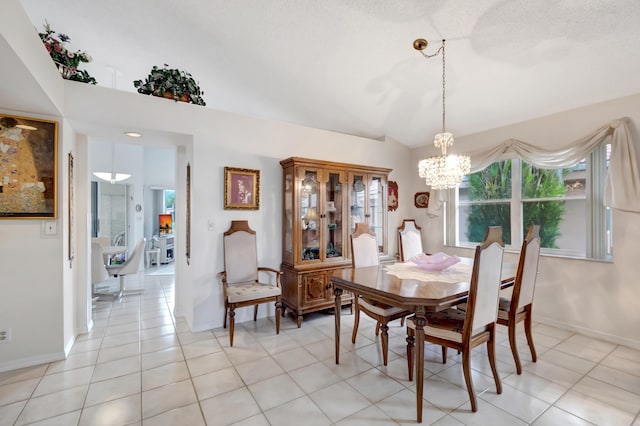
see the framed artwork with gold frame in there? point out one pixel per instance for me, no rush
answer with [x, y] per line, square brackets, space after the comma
[28, 168]
[241, 189]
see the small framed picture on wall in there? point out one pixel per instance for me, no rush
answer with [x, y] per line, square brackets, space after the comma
[241, 189]
[421, 200]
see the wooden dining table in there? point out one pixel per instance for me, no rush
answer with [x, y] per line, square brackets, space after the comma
[407, 286]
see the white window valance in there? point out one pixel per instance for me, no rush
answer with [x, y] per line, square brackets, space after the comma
[622, 184]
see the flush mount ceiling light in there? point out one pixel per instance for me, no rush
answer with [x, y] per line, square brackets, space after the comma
[133, 134]
[112, 176]
[442, 171]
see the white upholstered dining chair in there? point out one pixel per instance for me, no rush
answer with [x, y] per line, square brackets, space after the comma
[364, 252]
[519, 306]
[409, 240]
[462, 330]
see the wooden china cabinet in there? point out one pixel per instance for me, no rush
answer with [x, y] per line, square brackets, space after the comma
[322, 202]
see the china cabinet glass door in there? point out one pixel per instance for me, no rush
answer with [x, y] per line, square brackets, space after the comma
[333, 215]
[367, 203]
[376, 209]
[288, 216]
[310, 215]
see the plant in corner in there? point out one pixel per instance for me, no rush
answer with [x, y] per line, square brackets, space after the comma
[66, 60]
[171, 83]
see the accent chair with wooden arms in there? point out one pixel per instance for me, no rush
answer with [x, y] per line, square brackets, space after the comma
[519, 307]
[240, 278]
[462, 330]
[364, 252]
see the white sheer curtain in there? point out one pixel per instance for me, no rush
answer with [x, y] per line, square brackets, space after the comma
[622, 185]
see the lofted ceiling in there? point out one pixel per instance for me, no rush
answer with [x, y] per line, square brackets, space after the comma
[349, 65]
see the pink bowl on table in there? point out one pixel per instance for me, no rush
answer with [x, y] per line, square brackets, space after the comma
[435, 262]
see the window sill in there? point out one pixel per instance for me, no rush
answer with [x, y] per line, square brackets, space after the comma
[543, 253]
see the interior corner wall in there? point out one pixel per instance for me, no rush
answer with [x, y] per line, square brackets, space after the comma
[595, 298]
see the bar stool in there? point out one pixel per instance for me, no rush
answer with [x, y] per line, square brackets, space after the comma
[152, 254]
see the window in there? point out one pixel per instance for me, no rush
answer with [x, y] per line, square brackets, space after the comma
[566, 203]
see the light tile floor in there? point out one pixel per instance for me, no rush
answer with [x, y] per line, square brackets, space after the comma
[140, 365]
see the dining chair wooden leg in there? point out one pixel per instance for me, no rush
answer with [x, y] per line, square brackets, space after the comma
[278, 314]
[232, 323]
[529, 334]
[378, 328]
[255, 313]
[466, 368]
[491, 351]
[411, 342]
[444, 354]
[385, 342]
[356, 322]
[514, 346]
[226, 312]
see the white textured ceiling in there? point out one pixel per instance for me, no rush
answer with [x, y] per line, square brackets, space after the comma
[349, 65]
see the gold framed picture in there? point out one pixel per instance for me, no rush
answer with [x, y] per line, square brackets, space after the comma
[28, 168]
[241, 189]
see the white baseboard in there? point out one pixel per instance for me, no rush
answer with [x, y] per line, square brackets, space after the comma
[31, 361]
[69, 345]
[611, 338]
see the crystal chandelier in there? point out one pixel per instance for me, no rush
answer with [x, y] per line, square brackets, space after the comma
[442, 171]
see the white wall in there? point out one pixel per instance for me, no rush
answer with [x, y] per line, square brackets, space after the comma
[592, 297]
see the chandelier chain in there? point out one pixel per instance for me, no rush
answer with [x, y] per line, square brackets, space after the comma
[443, 85]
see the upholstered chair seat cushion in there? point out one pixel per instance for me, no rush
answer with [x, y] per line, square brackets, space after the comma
[445, 324]
[503, 308]
[379, 308]
[242, 292]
